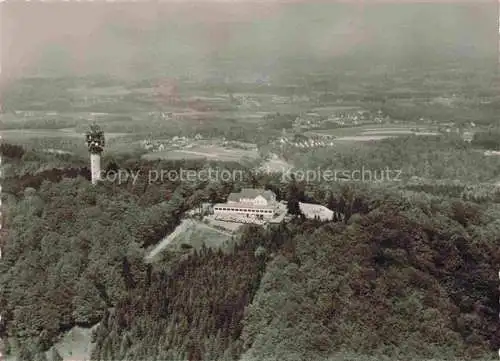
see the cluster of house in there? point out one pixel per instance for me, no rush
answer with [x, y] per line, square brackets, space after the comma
[358, 117]
[315, 141]
[448, 101]
[276, 99]
[94, 100]
[165, 115]
[175, 142]
[238, 144]
[259, 206]
[464, 130]
[311, 120]
[308, 120]
[244, 101]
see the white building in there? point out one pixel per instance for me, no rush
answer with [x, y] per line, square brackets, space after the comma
[248, 206]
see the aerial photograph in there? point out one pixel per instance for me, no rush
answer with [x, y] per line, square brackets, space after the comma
[250, 180]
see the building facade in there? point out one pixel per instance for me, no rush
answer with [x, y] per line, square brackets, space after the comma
[248, 206]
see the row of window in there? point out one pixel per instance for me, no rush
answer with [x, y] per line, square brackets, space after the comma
[243, 210]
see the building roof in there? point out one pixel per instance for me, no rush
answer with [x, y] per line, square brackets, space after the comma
[242, 205]
[251, 193]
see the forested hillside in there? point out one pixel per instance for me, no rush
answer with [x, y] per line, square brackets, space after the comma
[434, 158]
[401, 272]
[403, 280]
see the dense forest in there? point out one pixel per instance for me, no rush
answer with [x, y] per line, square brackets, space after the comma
[433, 158]
[407, 271]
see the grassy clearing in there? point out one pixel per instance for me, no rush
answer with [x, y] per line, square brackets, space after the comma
[192, 234]
[12, 135]
[200, 234]
[101, 91]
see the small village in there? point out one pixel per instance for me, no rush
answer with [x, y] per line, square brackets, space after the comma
[297, 136]
[301, 141]
[183, 142]
[314, 120]
[175, 142]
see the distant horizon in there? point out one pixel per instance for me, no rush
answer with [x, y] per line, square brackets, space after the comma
[129, 39]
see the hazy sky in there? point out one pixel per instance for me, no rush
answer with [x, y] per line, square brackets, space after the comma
[124, 39]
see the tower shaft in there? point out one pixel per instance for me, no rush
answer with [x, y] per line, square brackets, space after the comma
[95, 167]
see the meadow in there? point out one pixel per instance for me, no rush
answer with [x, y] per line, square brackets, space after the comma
[204, 152]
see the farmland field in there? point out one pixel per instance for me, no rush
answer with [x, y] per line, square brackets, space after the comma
[327, 110]
[63, 139]
[209, 152]
[374, 132]
[22, 135]
[101, 91]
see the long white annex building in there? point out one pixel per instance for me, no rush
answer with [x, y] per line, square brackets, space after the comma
[249, 206]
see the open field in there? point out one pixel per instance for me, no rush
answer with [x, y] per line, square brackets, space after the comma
[193, 233]
[21, 134]
[13, 135]
[208, 152]
[363, 138]
[374, 132]
[102, 91]
[46, 139]
[328, 110]
[172, 155]
[60, 139]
